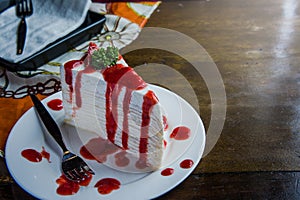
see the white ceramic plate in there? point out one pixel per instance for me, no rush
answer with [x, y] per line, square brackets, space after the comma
[39, 178]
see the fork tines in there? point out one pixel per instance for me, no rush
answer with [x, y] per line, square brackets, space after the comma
[23, 9]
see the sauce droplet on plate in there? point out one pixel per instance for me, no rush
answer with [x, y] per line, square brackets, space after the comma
[55, 104]
[32, 155]
[67, 187]
[186, 164]
[181, 133]
[107, 185]
[167, 172]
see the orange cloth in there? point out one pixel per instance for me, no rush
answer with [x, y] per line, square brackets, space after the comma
[11, 110]
[123, 9]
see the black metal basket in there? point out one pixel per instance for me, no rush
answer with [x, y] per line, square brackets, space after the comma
[90, 28]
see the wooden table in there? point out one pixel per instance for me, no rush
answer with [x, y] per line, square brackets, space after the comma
[255, 46]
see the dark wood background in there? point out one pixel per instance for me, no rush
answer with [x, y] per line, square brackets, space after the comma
[255, 46]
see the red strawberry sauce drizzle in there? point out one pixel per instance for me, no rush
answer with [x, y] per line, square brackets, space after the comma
[86, 70]
[117, 77]
[165, 143]
[68, 66]
[111, 113]
[125, 130]
[165, 122]
[68, 73]
[34, 156]
[123, 77]
[149, 101]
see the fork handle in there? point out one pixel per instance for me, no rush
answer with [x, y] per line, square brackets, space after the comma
[21, 36]
[48, 122]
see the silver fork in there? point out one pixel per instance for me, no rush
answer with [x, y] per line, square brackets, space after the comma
[23, 9]
[73, 167]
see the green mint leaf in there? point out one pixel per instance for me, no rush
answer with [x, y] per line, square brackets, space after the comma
[103, 58]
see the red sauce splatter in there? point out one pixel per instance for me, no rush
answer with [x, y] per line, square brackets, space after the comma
[32, 155]
[45, 154]
[107, 185]
[55, 104]
[121, 159]
[149, 101]
[181, 133]
[98, 149]
[165, 122]
[167, 172]
[35, 156]
[186, 164]
[68, 187]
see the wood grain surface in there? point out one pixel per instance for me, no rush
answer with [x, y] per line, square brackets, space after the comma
[255, 46]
